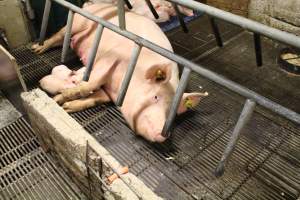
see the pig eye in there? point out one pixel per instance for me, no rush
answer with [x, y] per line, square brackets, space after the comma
[156, 98]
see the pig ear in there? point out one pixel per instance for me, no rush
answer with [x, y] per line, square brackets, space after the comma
[190, 100]
[159, 73]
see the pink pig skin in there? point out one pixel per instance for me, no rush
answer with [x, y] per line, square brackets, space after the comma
[147, 101]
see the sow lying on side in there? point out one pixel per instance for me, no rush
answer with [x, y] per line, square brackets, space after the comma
[151, 88]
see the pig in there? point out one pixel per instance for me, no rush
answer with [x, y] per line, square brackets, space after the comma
[153, 83]
[163, 8]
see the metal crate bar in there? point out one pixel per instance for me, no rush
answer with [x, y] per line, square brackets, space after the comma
[92, 53]
[240, 125]
[45, 21]
[135, 54]
[176, 101]
[257, 46]
[151, 7]
[121, 14]
[180, 18]
[67, 36]
[243, 22]
[129, 6]
[216, 31]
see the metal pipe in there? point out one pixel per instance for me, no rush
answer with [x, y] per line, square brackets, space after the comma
[45, 21]
[245, 23]
[67, 36]
[289, 114]
[152, 9]
[216, 31]
[93, 52]
[135, 54]
[176, 101]
[240, 125]
[257, 46]
[121, 14]
[128, 4]
[180, 18]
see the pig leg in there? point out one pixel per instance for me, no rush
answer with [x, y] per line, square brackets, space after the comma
[99, 75]
[55, 40]
[80, 104]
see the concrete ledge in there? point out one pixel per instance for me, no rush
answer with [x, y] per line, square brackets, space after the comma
[61, 134]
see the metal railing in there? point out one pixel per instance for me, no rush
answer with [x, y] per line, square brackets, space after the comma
[252, 97]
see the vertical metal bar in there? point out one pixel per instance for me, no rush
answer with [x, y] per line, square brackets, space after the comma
[129, 6]
[121, 14]
[216, 31]
[135, 54]
[67, 36]
[45, 21]
[180, 18]
[151, 7]
[240, 125]
[93, 52]
[176, 101]
[258, 52]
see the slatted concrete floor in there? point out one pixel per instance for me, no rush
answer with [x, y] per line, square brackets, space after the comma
[265, 165]
[26, 171]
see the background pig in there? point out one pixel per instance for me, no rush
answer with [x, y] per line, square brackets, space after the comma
[148, 97]
[163, 8]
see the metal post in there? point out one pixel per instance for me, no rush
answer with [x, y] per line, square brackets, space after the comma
[135, 54]
[45, 21]
[180, 18]
[176, 101]
[151, 7]
[67, 36]
[129, 6]
[92, 53]
[257, 45]
[216, 31]
[121, 14]
[240, 125]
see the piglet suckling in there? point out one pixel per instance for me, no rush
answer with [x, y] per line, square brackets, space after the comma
[152, 86]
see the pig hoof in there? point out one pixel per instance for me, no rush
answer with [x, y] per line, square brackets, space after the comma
[59, 99]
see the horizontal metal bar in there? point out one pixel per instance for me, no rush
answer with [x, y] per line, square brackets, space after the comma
[240, 125]
[152, 9]
[93, 52]
[289, 114]
[67, 37]
[180, 18]
[45, 21]
[121, 14]
[135, 54]
[243, 22]
[176, 101]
